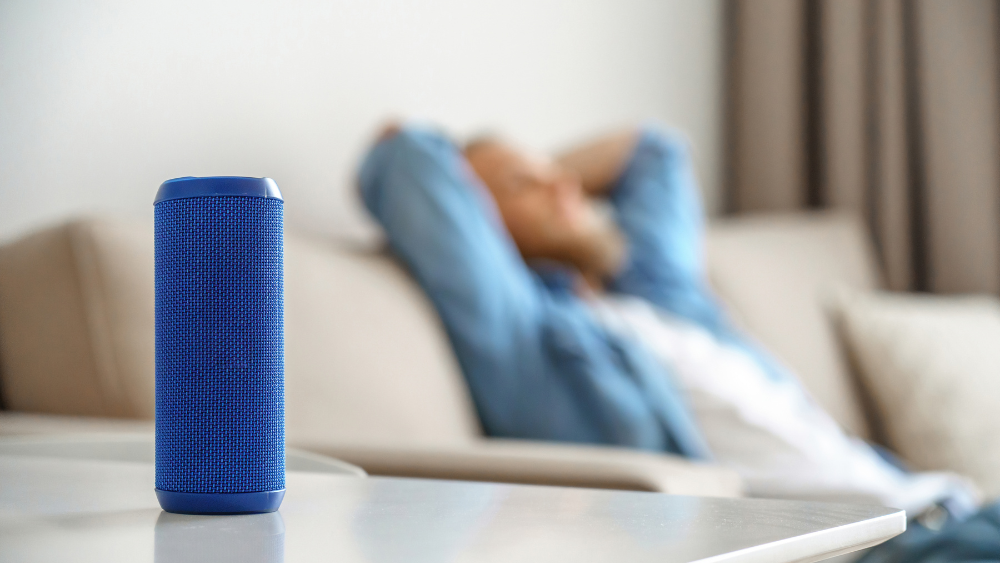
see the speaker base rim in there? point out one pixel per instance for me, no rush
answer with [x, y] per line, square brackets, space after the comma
[220, 503]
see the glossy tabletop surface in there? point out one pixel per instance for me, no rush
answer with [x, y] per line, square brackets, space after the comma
[74, 508]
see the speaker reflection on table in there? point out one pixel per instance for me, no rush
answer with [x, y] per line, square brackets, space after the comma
[247, 538]
[220, 425]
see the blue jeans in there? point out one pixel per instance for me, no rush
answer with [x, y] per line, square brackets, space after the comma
[975, 539]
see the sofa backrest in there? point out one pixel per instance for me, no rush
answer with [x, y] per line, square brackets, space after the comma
[777, 274]
[76, 321]
[366, 360]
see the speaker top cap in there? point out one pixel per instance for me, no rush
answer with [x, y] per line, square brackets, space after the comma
[189, 186]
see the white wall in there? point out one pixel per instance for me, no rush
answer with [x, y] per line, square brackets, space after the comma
[102, 101]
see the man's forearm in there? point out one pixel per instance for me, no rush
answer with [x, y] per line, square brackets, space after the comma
[600, 162]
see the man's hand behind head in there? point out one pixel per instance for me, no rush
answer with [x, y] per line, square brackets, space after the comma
[546, 210]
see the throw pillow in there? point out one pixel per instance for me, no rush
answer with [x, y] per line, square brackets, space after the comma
[932, 366]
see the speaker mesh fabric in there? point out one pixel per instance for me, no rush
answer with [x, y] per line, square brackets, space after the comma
[219, 345]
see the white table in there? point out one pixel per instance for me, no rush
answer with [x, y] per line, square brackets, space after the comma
[94, 502]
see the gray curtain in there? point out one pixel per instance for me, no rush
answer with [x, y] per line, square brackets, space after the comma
[890, 108]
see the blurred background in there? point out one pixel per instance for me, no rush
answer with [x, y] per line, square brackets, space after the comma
[885, 107]
[102, 101]
[888, 108]
[840, 146]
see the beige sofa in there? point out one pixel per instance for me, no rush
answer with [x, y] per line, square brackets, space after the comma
[370, 377]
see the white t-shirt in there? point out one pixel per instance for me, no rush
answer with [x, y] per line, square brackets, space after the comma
[771, 432]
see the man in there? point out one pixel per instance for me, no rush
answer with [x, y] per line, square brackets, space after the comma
[573, 292]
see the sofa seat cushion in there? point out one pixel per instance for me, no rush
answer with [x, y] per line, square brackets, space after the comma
[487, 459]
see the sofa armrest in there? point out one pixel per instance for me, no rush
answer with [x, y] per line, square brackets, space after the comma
[543, 463]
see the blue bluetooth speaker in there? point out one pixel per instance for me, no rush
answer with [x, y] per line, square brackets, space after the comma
[220, 400]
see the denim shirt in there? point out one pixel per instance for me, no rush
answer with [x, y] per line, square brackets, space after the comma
[538, 365]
